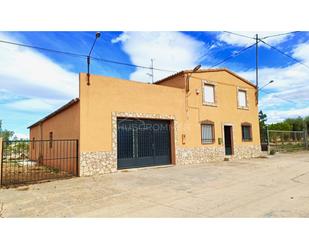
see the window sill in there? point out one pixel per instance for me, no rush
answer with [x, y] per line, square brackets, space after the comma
[210, 104]
[208, 143]
[243, 108]
[247, 140]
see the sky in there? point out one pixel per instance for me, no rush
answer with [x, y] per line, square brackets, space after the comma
[33, 82]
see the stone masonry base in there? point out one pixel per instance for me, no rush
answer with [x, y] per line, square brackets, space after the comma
[96, 163]
[101, 162]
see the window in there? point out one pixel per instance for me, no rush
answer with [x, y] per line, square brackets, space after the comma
[246, 132]
[208, 136]
[209, 94]
[242, 98]
[51, 140]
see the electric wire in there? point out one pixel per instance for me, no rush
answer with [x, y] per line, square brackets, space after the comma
[285, 54]
[84, 56]
[288, 33]
[237, 53]
[241, 35]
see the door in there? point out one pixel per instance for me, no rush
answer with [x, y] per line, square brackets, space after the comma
[228, 140]
[143, 142]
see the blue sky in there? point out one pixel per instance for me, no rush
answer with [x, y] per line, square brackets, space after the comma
[33, 83]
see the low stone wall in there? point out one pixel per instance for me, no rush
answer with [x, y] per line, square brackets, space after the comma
[185, 156]
[96, 163]
[102, 162]
[246, 151]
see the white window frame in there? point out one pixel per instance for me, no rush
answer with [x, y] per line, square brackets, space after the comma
[211, 103]
[246, 98]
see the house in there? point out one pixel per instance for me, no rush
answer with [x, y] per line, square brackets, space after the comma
[190, 117]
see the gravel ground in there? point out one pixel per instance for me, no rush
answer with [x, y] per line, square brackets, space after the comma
[277, 186]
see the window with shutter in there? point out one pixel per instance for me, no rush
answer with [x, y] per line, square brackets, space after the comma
[242, 98]
[208, 133]
[209, 93]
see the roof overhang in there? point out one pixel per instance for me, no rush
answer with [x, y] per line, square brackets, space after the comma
[62, 108]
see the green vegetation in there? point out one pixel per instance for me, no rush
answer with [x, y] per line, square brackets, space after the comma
[6, 134]
[291, 124]
[285, 136]
[272, 152]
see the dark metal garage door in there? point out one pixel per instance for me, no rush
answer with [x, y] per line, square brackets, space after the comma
[143, 142]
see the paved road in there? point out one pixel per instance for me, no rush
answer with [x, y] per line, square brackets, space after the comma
[273, 187]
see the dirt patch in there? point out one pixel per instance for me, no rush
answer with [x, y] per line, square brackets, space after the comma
[14, 174]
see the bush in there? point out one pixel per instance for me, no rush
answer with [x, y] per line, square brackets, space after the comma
[272, 152]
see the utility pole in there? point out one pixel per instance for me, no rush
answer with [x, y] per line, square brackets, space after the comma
[97, 36]
[152, 70]
[151, 74]
[257, 67]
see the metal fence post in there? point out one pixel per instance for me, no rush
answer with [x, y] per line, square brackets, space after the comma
[306, 138]
[1, 154]
[77, 157]
[268, 141]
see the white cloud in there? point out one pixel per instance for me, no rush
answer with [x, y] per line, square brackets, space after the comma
[244, 42]
[280, 115]
[21, 136]
[121, 38]
[301, 51]
[170, 50]
[27, 72]
[289, 94]
[35, 105]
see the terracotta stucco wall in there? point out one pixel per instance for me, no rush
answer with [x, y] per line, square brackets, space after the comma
[107, 95]
[226, 110]
[177, 81]
[64, 125]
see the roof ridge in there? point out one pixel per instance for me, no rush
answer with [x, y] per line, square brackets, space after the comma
[60, 109]
[205, 70]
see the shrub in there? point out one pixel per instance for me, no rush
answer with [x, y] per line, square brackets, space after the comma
[272, 152]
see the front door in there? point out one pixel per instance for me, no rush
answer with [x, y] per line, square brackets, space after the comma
[228, 140]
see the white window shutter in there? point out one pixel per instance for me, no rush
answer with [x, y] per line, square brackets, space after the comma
[209, 94]
[242, 98]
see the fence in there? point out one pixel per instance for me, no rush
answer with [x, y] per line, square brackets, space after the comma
[287, 141]
[29, 161]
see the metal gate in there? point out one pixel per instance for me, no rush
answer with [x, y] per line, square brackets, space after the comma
[287, 141]
[143, 143]
[30, 161]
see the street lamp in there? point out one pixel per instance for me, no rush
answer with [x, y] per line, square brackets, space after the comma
[270, 82]
[97, 36]
[188, 77]
[259, 88]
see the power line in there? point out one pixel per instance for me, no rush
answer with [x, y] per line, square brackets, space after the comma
[233, 55]
[281, 52]
[85, 56]
[131, 65]
[276, 96]
[288, 33]
[232, 33]
[45, 49]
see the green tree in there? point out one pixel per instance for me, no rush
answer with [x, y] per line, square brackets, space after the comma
[297, 124]
[6, 134]
[262, 119]
[281, 126]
